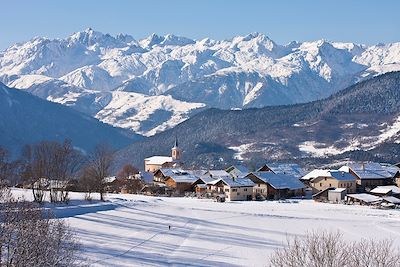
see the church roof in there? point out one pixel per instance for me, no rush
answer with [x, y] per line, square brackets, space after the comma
[158, 160]
[176, 142]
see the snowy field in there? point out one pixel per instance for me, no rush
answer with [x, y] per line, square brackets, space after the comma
[132, 230]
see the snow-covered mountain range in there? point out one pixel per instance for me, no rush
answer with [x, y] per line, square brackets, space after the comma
[153, 84]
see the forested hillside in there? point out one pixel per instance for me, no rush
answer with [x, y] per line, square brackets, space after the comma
[362, 118]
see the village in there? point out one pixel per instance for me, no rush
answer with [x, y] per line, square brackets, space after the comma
[363, 183]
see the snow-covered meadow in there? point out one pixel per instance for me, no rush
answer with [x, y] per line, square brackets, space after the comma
[132, 230]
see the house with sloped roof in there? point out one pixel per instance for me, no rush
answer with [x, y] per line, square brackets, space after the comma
[237, 171]
[391, 200]
[363, 199]
[332, 178]
[314, 174]
[369, 175]
[276, 185]
[181, 183]
[395, 170]
[291, 169]
[232, 189]
[200, 185]
[386, 190]
[161, 174]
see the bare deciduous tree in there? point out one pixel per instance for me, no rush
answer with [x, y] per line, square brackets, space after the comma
[87, 182]
[50, 165]
[66, 162]
[7, 167]
[99, 167]
[327, 249]
[127, 171]
[30, 237]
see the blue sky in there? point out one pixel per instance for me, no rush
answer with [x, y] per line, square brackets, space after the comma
[360, 21]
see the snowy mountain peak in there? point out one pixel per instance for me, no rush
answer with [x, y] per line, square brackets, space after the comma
[84, 69]
[256, 35]
[167, 40]
[126, 38]
[90, 37]
[171, 39]
[153, 39]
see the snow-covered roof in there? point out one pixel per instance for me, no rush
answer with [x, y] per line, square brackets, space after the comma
[368, 198]
[340, 175]
[279, 180]
[207, 179]
[292, 169]
[385, 189]
[110, 179]
[369, 170]
[393, 169]
[240, 182]
[391, 199]
[147, 177]
[314, 174]
[184, 178]
[158, 160]
[197, 172]
[339, 190]
[173, 171]
[218, 173]
[237, 170]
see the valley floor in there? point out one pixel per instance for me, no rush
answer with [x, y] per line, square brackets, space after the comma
[132, 230]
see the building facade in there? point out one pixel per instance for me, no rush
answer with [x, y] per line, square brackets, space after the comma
[154, 163]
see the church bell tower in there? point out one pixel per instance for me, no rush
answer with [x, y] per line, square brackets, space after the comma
[176, 151]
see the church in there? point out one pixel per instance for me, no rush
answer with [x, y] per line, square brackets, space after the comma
[155, 163]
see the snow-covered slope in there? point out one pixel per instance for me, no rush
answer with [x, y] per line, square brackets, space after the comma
[145, 114]
[141, 113]
[245, 71]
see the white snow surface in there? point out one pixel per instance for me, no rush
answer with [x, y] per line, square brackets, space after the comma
[132, 230]
[140, 109]
[251, 70]
[388, 132]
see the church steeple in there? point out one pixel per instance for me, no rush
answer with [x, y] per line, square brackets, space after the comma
[176, 142]
[176, 151]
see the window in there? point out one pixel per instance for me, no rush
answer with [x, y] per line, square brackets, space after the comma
[330, 185]
[227, 190]
[238, 193]
[258, 185]
[234, 190]
[245, 190]
[320, 184]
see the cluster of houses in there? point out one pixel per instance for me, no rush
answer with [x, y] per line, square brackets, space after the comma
[364, 183]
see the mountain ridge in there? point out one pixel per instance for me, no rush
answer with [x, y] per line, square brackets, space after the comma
[358, 121]
[87, 67]
[27, 119]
